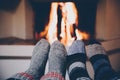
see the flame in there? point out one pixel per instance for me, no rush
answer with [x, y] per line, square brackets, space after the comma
[69, 23]
[81, 35]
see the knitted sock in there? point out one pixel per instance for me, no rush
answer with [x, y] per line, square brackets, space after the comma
[57, 62]
[38, 62]
[94, 49]
[76, 61]
[100, 62]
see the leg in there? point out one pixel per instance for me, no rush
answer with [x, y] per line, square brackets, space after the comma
[57, 62]
[100, 62]
[38, 63]
[76, 61]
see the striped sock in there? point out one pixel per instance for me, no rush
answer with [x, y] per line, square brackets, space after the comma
[76, 61]
[101, 65]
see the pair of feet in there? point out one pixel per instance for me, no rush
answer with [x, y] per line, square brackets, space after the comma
[57, 57]
[54, 54]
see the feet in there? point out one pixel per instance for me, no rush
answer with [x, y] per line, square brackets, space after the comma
[57, 62]
[94, 49]
[39, 59]
[57, 58]
[38, 62]
[76, 52]
[77, 47]
[76, 61]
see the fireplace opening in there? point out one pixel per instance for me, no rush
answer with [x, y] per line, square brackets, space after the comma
[53, 20]
[65, 21]
[25, 21]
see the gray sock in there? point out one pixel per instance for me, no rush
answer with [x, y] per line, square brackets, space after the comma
[57, 58]
[94, 49]
[39, 59]
[38, 62]
[77, 47]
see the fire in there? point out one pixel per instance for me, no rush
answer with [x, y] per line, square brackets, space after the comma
[69, 23]
[81, 35]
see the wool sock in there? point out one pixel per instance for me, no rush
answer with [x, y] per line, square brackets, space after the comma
[38, 62]
[76, 61]
[94, 49]
[77, 47]
[57, 62]
[101, 65]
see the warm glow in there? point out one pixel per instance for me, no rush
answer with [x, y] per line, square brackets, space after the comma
[69, 23]
[81, 35]
[52, 31]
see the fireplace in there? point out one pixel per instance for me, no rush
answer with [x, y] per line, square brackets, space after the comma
[92, 19]
[27, 21]
[65, 21]
[95, 19]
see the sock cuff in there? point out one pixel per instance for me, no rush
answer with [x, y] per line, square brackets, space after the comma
[52, 75]
[78, 57]
[97, 57]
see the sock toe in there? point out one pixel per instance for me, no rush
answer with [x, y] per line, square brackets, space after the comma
[94, 49]
[77, 47]
[42, 44]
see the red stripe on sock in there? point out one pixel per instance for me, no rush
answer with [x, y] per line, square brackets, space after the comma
[26, 75]
[52, 75]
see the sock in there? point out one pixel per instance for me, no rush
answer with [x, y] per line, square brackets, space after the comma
[57, 62]
[76, 61]
[94, 49]
[76, 47]
[101, 65]
[102, 68]
[38, 62]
